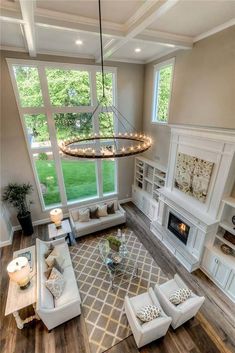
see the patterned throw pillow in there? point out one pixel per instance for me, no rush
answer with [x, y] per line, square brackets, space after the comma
[55, 283]
[84, 216]
[102, 211]
[148, 313]
[180, 295]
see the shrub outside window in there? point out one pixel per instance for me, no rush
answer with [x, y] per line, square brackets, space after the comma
[163, 76]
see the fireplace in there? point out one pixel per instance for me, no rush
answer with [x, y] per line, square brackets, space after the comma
[179, 228]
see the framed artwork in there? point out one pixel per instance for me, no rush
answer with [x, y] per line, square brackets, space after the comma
[192, 176]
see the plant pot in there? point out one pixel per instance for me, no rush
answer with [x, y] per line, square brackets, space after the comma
[26, 223]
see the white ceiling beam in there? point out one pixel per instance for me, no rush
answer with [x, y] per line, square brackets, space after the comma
[166, 39]
[27, 10]
[215, 30]
[140, 23]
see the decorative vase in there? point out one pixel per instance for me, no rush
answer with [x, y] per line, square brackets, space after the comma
[26, 223]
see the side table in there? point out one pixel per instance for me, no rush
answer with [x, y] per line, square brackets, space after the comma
[17, 298]
[64, 231]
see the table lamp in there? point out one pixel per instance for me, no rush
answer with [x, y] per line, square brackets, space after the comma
[56, 216]
[19, 270]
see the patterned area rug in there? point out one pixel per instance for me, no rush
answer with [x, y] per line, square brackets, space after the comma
[102, 306]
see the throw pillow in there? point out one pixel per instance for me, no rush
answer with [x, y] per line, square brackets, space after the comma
[110, 208]
[102, 211]
[54, 255]
[56, 265]
[75, 215]
[55, 283]
[50, 248]
[180, 295]
[94, 213]
[148, 313]
[84, 216]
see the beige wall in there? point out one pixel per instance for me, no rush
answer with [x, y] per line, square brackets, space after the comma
[203, 91]
[15, 162]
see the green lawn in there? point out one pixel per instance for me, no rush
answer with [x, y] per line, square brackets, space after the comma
[79, 179]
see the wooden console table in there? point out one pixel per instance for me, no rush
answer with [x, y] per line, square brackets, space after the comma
[17, 298]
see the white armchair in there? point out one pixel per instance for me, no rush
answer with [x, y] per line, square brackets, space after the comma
[147, 332]
[182, 312]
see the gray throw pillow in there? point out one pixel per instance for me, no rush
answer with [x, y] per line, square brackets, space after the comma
[110, 208]
[94, 213]
[50, 248]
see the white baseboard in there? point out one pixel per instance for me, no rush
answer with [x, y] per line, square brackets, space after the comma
[8, 241]
[125, 200]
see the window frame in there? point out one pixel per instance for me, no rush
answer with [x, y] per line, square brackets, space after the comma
[157, 68]
[49, 110]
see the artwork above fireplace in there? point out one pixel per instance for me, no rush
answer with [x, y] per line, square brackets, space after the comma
[192, 176]
[179, 228]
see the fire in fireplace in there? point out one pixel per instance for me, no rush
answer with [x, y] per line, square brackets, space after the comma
[178, 228]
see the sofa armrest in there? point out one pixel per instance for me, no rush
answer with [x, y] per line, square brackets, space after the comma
[131, 314]
[191, 304]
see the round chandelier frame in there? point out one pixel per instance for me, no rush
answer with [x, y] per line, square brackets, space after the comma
[114, 148]
[144, 143]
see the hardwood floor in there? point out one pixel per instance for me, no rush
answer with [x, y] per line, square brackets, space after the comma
[212, 331]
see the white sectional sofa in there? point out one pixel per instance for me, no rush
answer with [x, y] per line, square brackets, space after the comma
[94, 225]
[55, 312]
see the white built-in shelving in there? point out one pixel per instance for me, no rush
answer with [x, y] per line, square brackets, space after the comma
[149, 178]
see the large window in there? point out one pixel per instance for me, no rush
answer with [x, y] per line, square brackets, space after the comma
[56, 102]
[163, 74]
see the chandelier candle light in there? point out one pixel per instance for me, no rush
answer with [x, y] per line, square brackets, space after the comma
[109, 145]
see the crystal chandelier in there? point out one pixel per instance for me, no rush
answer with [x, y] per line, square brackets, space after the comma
[127, 142]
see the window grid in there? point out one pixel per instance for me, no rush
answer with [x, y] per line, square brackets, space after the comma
[156, 82]
[49, 110]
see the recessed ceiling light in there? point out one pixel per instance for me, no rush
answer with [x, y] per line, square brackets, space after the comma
[137, 50]
[79, 42]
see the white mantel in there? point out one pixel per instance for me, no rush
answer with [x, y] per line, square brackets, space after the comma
[217, 146]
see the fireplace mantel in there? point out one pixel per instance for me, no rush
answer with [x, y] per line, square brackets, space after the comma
[213, 145]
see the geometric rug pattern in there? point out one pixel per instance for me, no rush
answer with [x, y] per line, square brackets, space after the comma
[102, 306]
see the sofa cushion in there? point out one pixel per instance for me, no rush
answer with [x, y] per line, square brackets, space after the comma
[70, 291]
[87, 225]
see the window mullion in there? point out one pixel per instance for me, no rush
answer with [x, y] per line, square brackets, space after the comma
[95, 123]
[52, 133]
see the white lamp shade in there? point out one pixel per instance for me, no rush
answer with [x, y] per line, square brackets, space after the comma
[19, 270]
[56, 216]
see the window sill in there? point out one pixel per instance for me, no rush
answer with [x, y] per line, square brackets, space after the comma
[159, 122]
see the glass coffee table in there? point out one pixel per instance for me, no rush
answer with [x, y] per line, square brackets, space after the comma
[118, 267]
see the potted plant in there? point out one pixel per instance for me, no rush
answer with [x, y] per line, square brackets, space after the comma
[114, 243]
[16, 195]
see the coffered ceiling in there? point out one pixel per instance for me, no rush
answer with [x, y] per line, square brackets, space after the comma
[135, 31]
